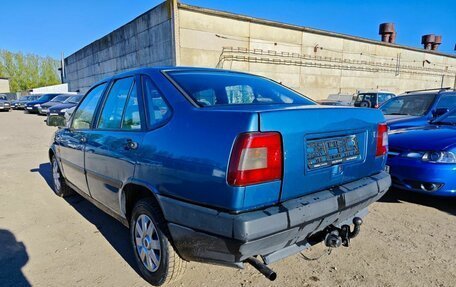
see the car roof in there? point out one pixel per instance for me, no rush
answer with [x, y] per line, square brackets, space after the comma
[375, 92]
[441, 92]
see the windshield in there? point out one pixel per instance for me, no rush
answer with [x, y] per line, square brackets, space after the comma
[211, 88]
[46, 97]
[73, 100]
[413, 105]
[59, 99]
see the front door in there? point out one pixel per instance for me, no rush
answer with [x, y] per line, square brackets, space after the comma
[112, 145]
[72, 141]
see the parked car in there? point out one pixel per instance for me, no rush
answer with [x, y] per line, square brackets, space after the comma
[219, 167]
[21, 102]
[32, 107]
[372, 99]
[60, 109]
[43, 109]
[4, 103]
[63, 110]
[423, 159]
[417, 108]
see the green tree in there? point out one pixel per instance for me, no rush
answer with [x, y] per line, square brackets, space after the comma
[28, 71]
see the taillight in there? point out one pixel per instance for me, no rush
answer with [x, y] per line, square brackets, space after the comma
[382, 140]
[256, 158]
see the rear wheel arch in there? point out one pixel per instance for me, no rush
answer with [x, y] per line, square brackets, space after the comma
[132, 193]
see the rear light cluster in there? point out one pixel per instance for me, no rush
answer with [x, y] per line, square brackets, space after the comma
[382, 140]
[256, 158]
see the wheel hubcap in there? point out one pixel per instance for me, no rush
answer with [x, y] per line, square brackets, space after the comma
[56, 175]
[147, 243]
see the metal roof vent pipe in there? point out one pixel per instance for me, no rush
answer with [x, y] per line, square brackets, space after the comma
[428, 40]
[437, 42]
[388, 33]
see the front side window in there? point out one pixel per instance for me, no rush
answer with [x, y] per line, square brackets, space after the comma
[158, 110]
[449, 118]
[111, 114]
[410, 105]
[83, 116]
[210, 88]
[447, 101]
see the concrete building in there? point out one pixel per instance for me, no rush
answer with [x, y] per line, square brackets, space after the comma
[315, 62]
[4, 85]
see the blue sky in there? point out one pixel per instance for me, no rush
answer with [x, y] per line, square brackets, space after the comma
[55, 26]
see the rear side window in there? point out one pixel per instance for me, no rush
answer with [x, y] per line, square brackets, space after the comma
[158, 110]
[210, 88]
[131, 119]
[112, 112]
[84, 114]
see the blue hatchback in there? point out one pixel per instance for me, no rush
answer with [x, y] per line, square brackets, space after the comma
[423, 159]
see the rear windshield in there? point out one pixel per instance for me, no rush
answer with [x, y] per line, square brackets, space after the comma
[410, 105]
[227, 88]
[366, 97]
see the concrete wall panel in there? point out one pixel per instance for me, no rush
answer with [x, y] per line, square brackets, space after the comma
[145, 41]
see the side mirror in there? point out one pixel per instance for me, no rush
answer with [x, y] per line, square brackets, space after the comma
[56, 121]
[439, 112]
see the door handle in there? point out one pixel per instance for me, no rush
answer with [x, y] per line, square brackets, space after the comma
[131, 145]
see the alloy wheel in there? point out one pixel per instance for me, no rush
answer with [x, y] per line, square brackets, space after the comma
[147, 242]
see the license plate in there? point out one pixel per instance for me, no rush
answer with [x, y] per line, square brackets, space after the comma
[53, 114]
[29, 108]
[328, 152]
[387, 168]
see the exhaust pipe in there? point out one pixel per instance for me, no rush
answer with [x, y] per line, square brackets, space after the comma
[263, 268]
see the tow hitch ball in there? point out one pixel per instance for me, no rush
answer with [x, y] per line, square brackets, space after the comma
[335, 237]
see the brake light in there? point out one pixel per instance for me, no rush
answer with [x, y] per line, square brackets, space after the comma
[382, 140]
[256, 158]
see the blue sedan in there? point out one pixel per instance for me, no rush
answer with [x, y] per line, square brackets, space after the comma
[423, 159]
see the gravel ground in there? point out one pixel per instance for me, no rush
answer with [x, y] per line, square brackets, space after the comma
[407, 240]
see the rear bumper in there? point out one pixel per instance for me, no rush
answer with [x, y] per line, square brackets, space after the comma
[207, 235]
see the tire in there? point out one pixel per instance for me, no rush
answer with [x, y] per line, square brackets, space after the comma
[365, 104]
[60, 187]
[168, 266]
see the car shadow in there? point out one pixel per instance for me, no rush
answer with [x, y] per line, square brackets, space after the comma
[445, 204]
[13, 256]
[115, 233]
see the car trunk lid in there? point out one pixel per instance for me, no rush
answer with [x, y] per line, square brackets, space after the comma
[324, 146]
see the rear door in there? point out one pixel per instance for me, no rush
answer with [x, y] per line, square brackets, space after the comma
[112, 145]
[72, 140]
